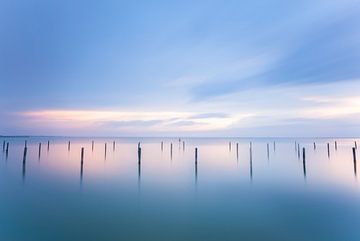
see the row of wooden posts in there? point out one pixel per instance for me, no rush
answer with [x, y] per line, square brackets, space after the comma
[297, 148]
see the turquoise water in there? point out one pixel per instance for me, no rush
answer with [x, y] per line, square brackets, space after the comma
[228, 195]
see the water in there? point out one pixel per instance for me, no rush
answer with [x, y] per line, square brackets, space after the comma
[225, 197]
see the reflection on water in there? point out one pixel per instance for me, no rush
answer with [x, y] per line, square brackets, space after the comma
[243, 190]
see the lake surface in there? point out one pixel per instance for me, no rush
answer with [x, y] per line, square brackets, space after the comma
[231, 194]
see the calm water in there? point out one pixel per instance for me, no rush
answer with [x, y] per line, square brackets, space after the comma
[227, 196]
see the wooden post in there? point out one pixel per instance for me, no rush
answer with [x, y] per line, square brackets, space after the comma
[48, 145]
[7, 147]
[82, 155]
[82, 164]
[335, 145]
[113, 145]
[267, 147]
[304, 163]
[162, 146]
[105, 149]
[295, 146]
[354, 154]
[354, 159]
[237, 151]
[196, 155]
[314, 145]
[24, 155]
[298, 149]
[69, 146]
[303, 153]
[274, 146]
[92, 146]
[3, 145]
[39, 150]
[328, 150]
[183, 145]
[171, 149]
[229, 146]
[139, 155]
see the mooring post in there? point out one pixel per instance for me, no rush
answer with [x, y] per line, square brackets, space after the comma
[229, 146]
[354, 159]
[237, 150]
[303, 153]
[105, 148]
[354, 154]
[183, 145]
[39, 150]
[298, 149]
[82, 155]
[274, 146]
[335, 146]
[92, 145]
[48, 145]
[3, 145]
[314, 145]
[7, 147]
[304, 163]
[139, 155]
[295, 146]
[267, 147]
[24, 155]
[328, 149]
[196, 155]
[68, 145]
[113, 145]
[171, 150]
[162, 146]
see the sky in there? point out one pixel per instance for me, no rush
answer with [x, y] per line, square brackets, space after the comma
[180, 68]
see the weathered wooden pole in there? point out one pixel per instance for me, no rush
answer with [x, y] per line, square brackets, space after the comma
[237, 151]
[314, 145]
[68, 145]
[274, 146]
[162, 146]
[82, 156]
[298, 150]
[335, 146]
[171, 150]
[7, 148]
[82, 164]
[229, 146]
[3, 145]
[105, 148]
[295, 146]
[196, 155]
[354, 153]
[183, 145]
[328, 149]
[92, 145]
[139, 155]
[113, 145]
[354, 159]
[39, 150]
[304, 162]
[24, 155]
[267, 148]
[48, 145]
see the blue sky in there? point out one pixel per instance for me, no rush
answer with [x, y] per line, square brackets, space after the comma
[193, 68]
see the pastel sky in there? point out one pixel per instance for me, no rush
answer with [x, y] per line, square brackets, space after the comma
[180, 68]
